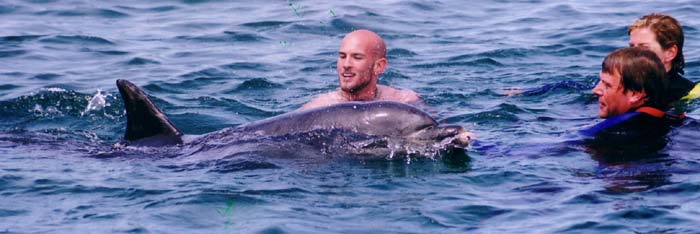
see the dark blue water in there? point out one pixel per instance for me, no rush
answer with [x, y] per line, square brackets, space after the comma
[214, 64]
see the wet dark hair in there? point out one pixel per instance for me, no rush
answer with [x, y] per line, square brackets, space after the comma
[640, 70]
[668, 32]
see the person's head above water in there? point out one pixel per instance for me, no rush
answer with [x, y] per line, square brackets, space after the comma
[630, 78]
[661, 34]
[361, 58]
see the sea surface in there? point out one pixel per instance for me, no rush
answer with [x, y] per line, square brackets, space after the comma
[212, 64]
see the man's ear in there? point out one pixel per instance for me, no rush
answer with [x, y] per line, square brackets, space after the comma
[670, 54]
[379, 66]
[638, 98]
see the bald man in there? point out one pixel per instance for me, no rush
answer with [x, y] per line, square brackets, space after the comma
[361, 58]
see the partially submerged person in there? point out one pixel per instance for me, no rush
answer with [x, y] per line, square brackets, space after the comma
[632, 98]
[663, 35]
[361, 58]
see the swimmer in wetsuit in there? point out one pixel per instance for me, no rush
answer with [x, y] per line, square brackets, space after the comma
[632, 98]
[663, 35]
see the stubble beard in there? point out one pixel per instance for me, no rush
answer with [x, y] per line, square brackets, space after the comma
[356, 88]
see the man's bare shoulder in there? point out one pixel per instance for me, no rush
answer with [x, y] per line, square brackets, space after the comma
[325, 99]
[398, 95]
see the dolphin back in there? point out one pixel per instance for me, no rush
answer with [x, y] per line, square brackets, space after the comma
[145, 123]
[377, 118]
[384, 118]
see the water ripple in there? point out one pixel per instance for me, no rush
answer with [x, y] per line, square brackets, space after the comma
[104, 13]
[246, 66]
[228, 166]
[399, 52]
[481, 62]
[238, 107]
[590, 198]
[157, 9]
[198, 123]
[257, 84]
[77, 39]
[640, 213]
[9, 87]
[208, 73]
[266, 25]
[7, 9]
[542, 187]
[46, 76]
[19, 39]
[111, 52]
[11, 53]
[226, 36]
[284, 192]
[502, 113]
[8, 213]
[140, 61]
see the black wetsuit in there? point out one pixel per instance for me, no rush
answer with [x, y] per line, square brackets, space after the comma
[678, 87]
[629, 135]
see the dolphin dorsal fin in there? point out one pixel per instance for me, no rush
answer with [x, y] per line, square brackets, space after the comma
[145, 123]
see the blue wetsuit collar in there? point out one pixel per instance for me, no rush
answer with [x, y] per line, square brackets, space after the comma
[608, 123]
[651, 111]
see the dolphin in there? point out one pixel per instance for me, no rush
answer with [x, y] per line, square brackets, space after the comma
[148, 126]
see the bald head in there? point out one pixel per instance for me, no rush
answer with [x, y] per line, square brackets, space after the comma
[361, 58]
[369, 40]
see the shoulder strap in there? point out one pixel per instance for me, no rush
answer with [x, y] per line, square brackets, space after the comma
[660, 114]
[651, 111]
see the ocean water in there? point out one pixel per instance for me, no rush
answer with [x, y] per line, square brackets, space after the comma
[214, 64]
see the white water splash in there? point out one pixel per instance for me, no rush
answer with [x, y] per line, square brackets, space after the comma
[41, 111]
[96, 103]
[37, 109]
[55, 90]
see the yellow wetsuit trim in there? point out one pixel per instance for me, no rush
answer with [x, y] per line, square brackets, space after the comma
[694, 93]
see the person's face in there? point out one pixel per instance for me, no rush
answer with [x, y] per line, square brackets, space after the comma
[356, 64]
[612, 101]
[645, 38]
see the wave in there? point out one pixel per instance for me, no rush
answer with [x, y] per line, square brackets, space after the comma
[11, 53]
[266, 25]
[77, 39]
[226, 36]
[481, 62]
[19, 39]
[101, 13]
[257, 84]
[136, 61]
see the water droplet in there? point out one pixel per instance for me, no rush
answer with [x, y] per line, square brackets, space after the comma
[97, 102]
